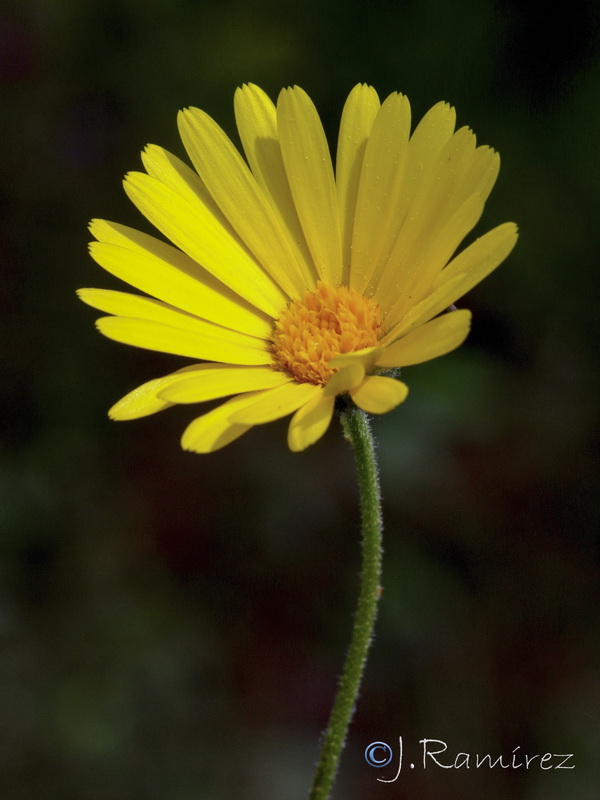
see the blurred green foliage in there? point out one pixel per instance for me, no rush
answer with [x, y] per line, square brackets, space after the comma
[172, 625]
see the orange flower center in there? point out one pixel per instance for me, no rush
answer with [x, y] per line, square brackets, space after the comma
[324, 323]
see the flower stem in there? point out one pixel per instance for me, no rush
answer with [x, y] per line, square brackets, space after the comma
[358, 432]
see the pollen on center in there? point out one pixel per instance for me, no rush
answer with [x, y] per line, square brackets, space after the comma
[321, 325]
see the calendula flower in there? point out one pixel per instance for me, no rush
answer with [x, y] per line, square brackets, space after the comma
[289, 284]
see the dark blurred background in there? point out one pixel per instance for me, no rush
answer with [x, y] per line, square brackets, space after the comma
[172, 625]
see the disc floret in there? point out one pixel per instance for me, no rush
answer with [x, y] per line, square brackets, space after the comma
[324, 323]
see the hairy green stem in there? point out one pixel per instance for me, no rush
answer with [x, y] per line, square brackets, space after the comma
[358, 432]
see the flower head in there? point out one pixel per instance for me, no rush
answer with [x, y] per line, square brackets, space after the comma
[290, 285]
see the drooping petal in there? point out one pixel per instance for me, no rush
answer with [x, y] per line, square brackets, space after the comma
[379, 201]
[435, 338]
[211, 381]
[310, 422]
[144, 400]
[273, 404]
[344, 379]
[171, 276]
[358, 116]
[214, 430]
[310, 174]
[352, 368]
[240, 198]
[367, 358]
[194, 229]
[378, 394]
[256, 118]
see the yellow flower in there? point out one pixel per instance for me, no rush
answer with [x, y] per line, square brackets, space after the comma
[292, 286]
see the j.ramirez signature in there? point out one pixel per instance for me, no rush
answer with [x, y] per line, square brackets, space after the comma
[380, 754]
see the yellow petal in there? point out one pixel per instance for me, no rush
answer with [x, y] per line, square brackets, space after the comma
[418, 279]
[448, 171]
[310, 174]
[196, 231]
[358, 116]
[211, 381]
[130, 238]
[378, 202]
[434, 256]
[240, 198]
[344, 379]
[275, 403]
[213, 430]
[439, 300]
[144, 400]
[367, 358]
[480, 258]
[478, 176]
[171, 276]
[421, 224]
[310, 422]
[176, 174]
[378, 394]
[256, 119]
[212, 345]
[133, 305]
[426, 143]
[435, 338]
[352, 369]
[463, 170]
[153, 325]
